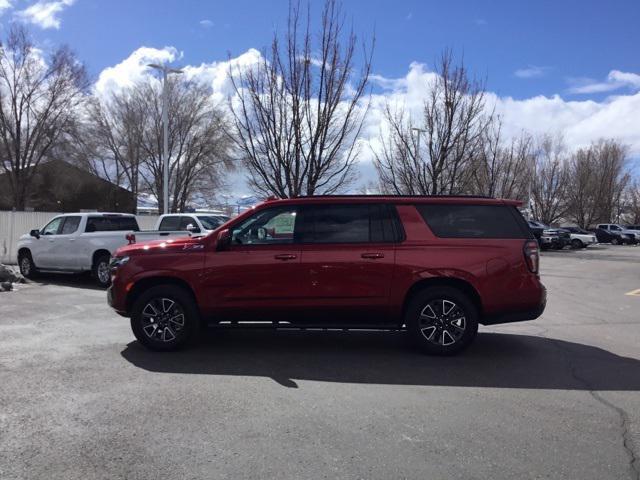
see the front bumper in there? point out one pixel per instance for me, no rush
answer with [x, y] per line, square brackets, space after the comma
[116, 298]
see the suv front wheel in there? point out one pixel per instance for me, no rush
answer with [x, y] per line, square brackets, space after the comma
[165, 318]
[441, 320]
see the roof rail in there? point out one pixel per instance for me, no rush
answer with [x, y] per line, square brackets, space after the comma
[393, 195]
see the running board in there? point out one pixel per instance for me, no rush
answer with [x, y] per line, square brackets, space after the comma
[232, 325]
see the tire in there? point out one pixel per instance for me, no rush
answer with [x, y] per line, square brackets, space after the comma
[436, 330]
[576, 244]
[615, 241]
[181, 318]
[27, 267]
[100, 271]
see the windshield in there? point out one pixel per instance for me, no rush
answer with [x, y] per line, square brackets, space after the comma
[209, 222]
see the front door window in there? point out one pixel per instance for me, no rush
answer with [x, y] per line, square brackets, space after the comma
[273, 226]
[52, 227]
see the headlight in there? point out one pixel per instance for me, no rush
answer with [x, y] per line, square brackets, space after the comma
[118, 262]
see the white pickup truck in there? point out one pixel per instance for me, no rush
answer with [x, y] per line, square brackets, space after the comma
[80, 242]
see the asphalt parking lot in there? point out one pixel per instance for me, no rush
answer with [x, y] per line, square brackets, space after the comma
[558, 397]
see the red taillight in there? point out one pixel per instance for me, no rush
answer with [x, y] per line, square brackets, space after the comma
[532, 255]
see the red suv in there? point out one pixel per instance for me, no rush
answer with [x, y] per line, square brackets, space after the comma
[436, 266]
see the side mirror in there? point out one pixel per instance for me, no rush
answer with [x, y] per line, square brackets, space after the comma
[224, 240]
[35, 233]
[193, 228]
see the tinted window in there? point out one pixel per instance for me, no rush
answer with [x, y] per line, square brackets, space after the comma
[267, 227]
[70, 225]
[111, 224]
[169, 224]
[338, 224]
[186, 221]
[384, 224]
[125, 223]
[52, 227]
[359, 223]
[473, 221]
[211, 223]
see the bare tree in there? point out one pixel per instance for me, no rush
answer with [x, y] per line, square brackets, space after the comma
[198, 143]
[39, 97]
[549, 184]
[109, 140]
[502, 168]
[431, 156]
[299, 112]
[633, 197]
[598, 177]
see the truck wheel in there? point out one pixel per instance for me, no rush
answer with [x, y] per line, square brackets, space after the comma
[441, 320]
[575, 243]
[27, 267]
[101, 271]
[615, 241]
[165, 318]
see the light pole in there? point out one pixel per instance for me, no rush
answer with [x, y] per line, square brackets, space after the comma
[165, 131]
[418, 131]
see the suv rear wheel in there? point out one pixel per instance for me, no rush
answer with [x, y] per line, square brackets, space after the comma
[165, 318]
[441, 320]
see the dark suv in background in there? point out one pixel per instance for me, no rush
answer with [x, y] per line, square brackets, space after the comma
[437, 266]
[549, 237]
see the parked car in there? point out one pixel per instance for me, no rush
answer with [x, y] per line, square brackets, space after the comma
[614, 238]
[437, 266]
[615, 228]
[580, 238]
[78, 242]
[635, 228]
[192, 222]
[549, 237]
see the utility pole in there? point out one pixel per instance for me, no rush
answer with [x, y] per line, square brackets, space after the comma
[419, 132]
[165, 131]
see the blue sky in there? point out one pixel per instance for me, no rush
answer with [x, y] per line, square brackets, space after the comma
[555, 42]
[566, 67]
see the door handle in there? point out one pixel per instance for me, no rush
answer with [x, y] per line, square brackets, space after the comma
[372, 255]
[285, 256]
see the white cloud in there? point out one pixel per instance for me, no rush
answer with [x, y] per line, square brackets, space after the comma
[580, 122]
[4, 5]
[614, 81]
[206, 23]
[45, 13]
[134, 68]
[532, 71]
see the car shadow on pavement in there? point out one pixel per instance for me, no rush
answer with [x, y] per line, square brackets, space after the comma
[495, 360]
[75, 280]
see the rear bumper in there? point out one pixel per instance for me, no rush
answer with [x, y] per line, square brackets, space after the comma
[520, 315]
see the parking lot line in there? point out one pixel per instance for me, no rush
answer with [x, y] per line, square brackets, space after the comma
[634, 293]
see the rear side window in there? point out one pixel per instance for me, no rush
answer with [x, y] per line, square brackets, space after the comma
[341, 224]
[70, 225]
[169, 224]
[474, 221]
[356, 223]
[111, 224]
